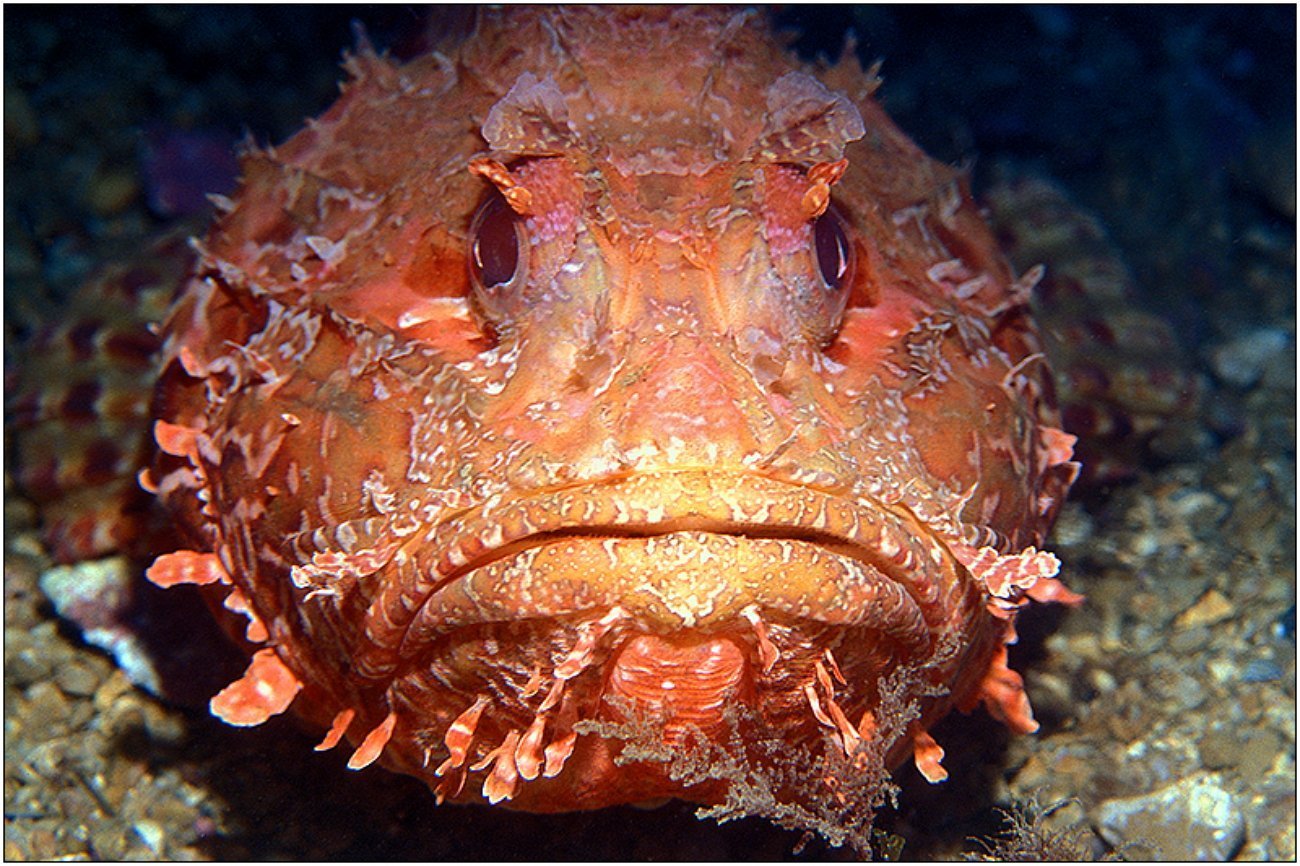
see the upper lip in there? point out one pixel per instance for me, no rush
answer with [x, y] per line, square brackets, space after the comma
[653, 504]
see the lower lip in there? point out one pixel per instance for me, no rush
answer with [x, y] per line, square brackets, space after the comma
[689, 682]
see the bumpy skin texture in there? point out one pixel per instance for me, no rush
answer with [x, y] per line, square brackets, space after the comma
[667, 463]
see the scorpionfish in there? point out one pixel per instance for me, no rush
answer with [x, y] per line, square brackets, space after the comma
[608, 367]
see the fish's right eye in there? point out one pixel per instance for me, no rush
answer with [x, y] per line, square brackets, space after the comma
[834, 252]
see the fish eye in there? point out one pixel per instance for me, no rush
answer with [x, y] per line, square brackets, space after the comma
[834, 252]
[497, 247]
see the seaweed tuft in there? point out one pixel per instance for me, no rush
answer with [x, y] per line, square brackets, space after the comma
[1027, 838]
[817, 788]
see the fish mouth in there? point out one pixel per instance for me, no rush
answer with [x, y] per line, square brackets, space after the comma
[686, 551]
[664, 600]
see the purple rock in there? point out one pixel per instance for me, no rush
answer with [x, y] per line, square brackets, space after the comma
[164, 642]
[180, 168]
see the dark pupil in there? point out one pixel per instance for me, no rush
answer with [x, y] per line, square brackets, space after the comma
[496, 245]
[832, 249]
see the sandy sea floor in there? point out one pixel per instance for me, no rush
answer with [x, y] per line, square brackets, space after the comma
[1167, 701]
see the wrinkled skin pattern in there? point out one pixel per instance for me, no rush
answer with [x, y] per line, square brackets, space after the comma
[608, 362]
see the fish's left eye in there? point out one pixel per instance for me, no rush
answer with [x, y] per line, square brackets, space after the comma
[834, 252]
[496, 248]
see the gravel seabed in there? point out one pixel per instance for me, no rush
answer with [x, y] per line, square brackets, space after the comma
[1167, 700]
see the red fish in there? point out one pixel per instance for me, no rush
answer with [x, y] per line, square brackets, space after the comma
[606, 408]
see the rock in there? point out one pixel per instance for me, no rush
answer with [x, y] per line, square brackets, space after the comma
[46, 702]
[1268, 168]
[1074, 528]
[1192, 819]
[1284, 625]
[1210, 608]
[1220, 749]
[1243, 360]
[1261, 671]
[96, 596]
[111, 192]
[78, 679]
[1200, 510]
[109, 840]
[152, 835]
[21, 126]
[25, 664]
[1251, 756]
[1259, 752]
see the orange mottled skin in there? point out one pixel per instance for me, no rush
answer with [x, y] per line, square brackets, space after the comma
[661, 463]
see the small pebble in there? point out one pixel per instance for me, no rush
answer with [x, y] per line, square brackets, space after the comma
[1220, 749]
[112, 192]
[1261, 671]
[47, 705]
[21, 126]
[152, 836]
[1223, 670]
[163, 726]
[1102, 680]
[18, 512]
[1145, 544]
[1258, 753]
[1212, 607]
[1242, 361]
[108, 841]
[1074, 527]
[25, 666]
[1192, 819]
[78, 679]
[115, 686]
[1284, 625]
[1201, 510]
